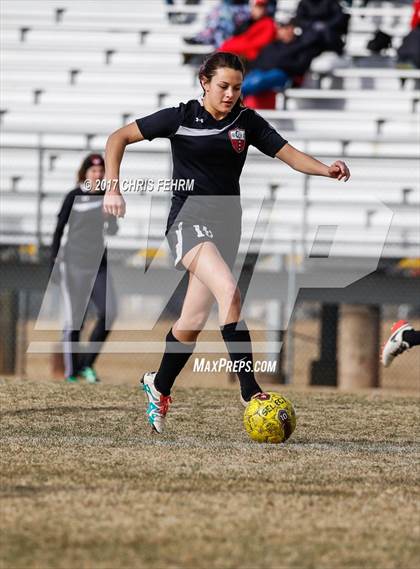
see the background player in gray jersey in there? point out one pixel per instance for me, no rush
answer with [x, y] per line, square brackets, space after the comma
[78, 262]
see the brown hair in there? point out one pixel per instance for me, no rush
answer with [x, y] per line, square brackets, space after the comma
[88, 162]
[217, 60]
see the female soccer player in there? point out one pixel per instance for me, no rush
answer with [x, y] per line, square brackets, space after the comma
[81, 267]
[210, 138]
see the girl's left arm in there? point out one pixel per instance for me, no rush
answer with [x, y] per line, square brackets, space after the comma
[308, 165]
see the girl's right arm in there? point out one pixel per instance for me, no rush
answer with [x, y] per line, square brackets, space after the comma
[114, 203]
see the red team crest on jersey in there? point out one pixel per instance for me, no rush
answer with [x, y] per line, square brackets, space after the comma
[237, 138]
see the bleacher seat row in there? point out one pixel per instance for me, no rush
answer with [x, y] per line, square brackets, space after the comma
[71, 74]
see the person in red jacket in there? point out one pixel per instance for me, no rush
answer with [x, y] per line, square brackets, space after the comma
[415, 18]
[260, 31]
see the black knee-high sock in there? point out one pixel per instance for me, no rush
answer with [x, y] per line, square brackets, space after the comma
[175, 357]
[235, 333]
[412, 337]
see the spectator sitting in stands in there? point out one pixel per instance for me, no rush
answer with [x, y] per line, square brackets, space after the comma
[326, 17]
[221, 23]
[409, 51]
[225, 20]
[282, 60]
[258, 31]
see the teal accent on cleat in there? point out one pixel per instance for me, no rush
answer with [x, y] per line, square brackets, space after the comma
[71, 379]
[89, 374]
[158, 404]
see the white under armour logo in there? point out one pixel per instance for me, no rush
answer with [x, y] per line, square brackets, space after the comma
[199, 120]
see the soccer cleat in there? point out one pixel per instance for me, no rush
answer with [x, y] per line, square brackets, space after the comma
[89, 374]
[158, 403]
[255, 396]
[71, 379]
[395, 345]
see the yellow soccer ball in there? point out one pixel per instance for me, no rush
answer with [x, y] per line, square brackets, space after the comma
[270, 418]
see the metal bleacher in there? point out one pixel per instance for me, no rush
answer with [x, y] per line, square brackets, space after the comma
[71, 74]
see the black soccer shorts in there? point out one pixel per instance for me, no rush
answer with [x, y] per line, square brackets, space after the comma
[205, 219]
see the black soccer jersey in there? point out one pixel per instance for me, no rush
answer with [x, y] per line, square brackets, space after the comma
[211, 152]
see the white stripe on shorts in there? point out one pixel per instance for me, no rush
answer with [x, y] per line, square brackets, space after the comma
[178, 246]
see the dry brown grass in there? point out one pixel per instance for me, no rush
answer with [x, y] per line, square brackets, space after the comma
[85, 484]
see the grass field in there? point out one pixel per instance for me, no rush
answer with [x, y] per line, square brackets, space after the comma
[85, 484]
